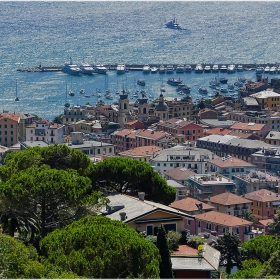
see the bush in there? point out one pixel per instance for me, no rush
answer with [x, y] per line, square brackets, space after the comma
[185, 237]
[173, 239]
[196, 241]
[152, 238]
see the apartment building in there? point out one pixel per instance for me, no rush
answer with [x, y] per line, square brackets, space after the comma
[264, 203]
[9, 129]
[267, 99]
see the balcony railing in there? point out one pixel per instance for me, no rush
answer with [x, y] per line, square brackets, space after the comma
[236, 208]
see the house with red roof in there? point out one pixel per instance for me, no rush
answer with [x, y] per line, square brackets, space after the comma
[207, 113]
[264, 203]
[229, 203]
[218, 223]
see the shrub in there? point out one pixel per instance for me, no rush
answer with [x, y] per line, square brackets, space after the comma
[173, 239]
[196, 241]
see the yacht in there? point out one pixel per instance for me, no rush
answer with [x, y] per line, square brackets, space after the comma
[231, 68]
[223, 69]
[203, 90]
[86, 68]
[207, 69]
[259, 70]
[198, 68]
[161, 69]
[215, 68]
[188, 68]
[272, 70]
[71, 68]
[239, 68]
[141, 82]
[169, 69]
[146, 68]
[121, 68]
[174, 81]
[180, 68]
[173, 24]
[223, 90]
[214, 82]
[223, 80]
[154, 69]
[99, 69]
[266, 69]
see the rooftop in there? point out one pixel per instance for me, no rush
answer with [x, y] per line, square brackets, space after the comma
[262, 195]
[230, 161]
[228, 198]
[189, 204]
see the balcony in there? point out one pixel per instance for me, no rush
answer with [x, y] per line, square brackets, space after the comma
[236, 208]
[244, 207]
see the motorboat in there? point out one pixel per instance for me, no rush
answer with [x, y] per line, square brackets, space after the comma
[180, 68]
[99, 69]
[231, 68]
[71, 93]
[223, 90]
[154, 69]
[161, 69]
[207, 69]
[241, 79]
[174, 81]
[146, 69]
[259, 70]
[223, 68]
[215, 68]
[266, 69]
[173, 24]
[169, 69]
[108, 96]
[238, 83]
[141, 82]
[272, 70]
[203, 90]
[86, 68]
[214, 82]
[82, 91]
[185, 89]
[239, 68]
[121, 68]
[188, 68]
[198, 68]
[223, 80]
[71, 68]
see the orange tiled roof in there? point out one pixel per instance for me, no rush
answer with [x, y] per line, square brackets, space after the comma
[151, 134]
[228, 198]
[265, 222]
[179, 173]
[230, 162]
[218, 130]
[188, 204]
[140, 151]
[185, 250]
[222, 219]
[123, 132]
[246, 126]
[9, 116]
[262, 195]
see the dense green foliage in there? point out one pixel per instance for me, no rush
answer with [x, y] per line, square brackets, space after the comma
[97, 247]
[248, 215]
[173, 238]
[58, 119]
[274, 227]
[261, 247]
[165, 264]
[20, 261]
[271, 268]
[195, 241]
[126, 175]
[250, 270]
[231, 253]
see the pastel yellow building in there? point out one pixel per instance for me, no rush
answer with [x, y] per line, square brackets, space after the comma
[267, 99]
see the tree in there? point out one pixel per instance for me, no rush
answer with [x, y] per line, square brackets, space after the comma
[126, 175]
[162, 244]
[261, 247]
[250, 270]
[173, 238]
[231, 253]
[274, 227]
[271, 268]
[53, 198]
[248, 215]
[58, 119]
[97, 247]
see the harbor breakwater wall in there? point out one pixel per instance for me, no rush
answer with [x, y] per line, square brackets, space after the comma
[139, 67]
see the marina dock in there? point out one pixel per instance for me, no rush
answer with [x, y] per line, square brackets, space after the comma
[139, 67]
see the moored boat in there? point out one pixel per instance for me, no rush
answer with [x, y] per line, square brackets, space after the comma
[207, 69]
[146, 69]
[203, 90]
[198, 68]
[99, 69]
[141, 82]
[223, 68]
[86, 68]
[174, 81]
[215, 68]
[169, 69]
[71, 68]
[223, 80]
[121, 68]
[173, 24]
[180, 68]
[161, 69]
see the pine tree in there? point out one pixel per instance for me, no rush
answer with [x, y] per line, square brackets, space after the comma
[165, 264]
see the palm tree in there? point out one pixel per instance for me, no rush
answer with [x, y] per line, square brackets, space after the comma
[248, 215]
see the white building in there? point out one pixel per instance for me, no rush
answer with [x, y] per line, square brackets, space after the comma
[44, 130]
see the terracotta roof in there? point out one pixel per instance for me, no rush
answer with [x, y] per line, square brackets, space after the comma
[123, 132]
[32, 125]
[206, 110]
[140, 151]
[230, 162]
[132, 122]
[179, 173]
[262, 195]
[228, 198]
[185, 250]
[265, 222]
[222, 219]
[9, 116]
[150, 134]
[105, 106]
[218, 130]
[189, 204]
[248, 126]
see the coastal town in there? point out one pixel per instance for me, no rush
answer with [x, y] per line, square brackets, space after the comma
[221, 155]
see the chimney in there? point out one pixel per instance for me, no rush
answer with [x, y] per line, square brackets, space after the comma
[141, 196]
[123, 216]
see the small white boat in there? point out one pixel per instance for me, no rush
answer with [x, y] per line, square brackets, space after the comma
[207, 69]
[198, 68]
[188, 68]
[169, 69]
[99, 69]
[154, 70]
[239, 68]
[203, 90]
[272, 70]
[180, 68]
[266, 69]
[259, 70]
[223, 68]
[82, 91]
[231, 68]
[146, 69]
[121, 68]
[223, 90]
[215, 68]
[86, 68]
[161, 69]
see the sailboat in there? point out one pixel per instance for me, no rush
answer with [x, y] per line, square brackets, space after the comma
[67, 103]
[71, 93]
[16, 99]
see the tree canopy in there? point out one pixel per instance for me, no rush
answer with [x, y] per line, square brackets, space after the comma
[231, 253]
[274, 227]
[97, 247]
[126, 175]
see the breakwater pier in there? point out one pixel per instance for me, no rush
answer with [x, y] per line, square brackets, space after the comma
[139, 67]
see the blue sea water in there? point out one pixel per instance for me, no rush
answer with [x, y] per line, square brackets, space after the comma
[130, 32]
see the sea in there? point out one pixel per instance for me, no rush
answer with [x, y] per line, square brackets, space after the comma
[132, 32]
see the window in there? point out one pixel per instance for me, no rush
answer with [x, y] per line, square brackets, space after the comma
[198, 225]
[216, 228]
[224, 230]
[149, 230]
[158, 164]
[5, 126]
[189, 222]
[218, 208]
[268, 204]
[237, 230]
